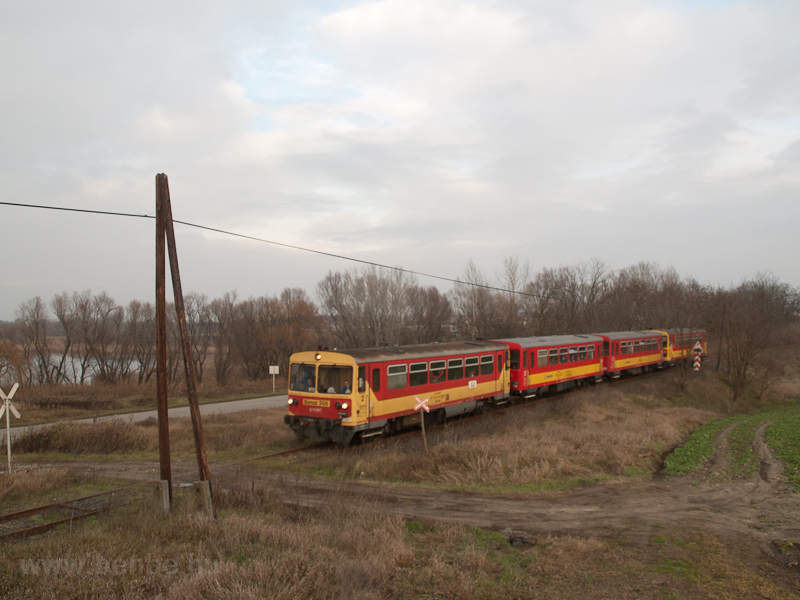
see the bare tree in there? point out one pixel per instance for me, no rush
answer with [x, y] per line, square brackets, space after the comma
[32, 331]
[366, 307]
[13, 364]
[198, 323]
[473, 304]
[756, 311]
[142, 332]
[430, 314]
[509, 313]
[109, 341]
[223, 313]
[63, 307]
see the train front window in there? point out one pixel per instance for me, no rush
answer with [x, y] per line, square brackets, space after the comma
[335, 380]
[301, 378]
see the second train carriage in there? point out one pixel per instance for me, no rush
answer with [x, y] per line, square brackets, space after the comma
[552, 363]
[339, 395]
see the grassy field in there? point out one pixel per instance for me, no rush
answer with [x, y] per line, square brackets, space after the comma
[345, 551]
[782, 436]
[258, 548]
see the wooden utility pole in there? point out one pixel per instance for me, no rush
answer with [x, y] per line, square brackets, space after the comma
[162, 383]
[188, 361]
[165, 229]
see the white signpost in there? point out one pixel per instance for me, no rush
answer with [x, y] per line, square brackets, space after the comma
[423, 405]
[273, 370]
[8, 408]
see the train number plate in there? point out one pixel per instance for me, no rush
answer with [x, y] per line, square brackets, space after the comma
[312, 402]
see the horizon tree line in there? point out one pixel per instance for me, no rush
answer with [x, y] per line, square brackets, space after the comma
[81, 338]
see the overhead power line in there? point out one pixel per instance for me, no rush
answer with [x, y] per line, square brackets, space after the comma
[274, 243]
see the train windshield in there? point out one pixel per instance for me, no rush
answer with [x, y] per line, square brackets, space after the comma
[513, 359]
[335, 380]
[301, 378]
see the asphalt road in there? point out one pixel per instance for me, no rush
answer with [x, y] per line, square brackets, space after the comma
[174, 413]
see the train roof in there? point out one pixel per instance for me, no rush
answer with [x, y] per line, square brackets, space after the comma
[384, 353]
[626, 335]
[552, 340]
[684, 331]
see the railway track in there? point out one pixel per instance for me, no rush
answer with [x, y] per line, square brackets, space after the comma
[40, 519]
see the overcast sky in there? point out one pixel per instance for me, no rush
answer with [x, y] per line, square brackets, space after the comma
[417, 133]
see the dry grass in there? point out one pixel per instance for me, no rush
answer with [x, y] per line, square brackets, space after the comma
[27, 482]
[84, 438]
[594, 435]
[228, 436]
[258, 550]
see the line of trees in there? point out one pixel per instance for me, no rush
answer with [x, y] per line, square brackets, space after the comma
[80, 337]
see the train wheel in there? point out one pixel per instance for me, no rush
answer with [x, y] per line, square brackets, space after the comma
[441, 416]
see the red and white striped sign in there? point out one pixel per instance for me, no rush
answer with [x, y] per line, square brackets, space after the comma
[422, 404]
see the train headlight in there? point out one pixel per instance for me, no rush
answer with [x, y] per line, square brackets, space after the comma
[345, 405]
[338, 405]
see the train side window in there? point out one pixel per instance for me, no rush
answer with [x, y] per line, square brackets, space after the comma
[437, 371]
[623, 348]
[499, 363]
[471, 364]
[573, 354]
[455, 369]
[563, 355]
[582, 353]
[590, 352]
[376, 380]
[542, 360]
[605, 348]
[396, 377]
[513, 359]
[524, 359]
[362, 378]
[554, 356]
[487, 365]
[418, 374]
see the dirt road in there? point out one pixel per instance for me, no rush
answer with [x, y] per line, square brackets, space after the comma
[754, 517]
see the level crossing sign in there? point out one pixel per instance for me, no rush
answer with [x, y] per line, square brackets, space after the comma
[8, 409]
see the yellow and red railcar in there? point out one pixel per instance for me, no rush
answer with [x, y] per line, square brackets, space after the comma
[340, 395]
[682, 343]
[552, 363]
[631, 351]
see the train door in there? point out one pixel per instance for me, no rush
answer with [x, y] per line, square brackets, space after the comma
[374, 387]
[362, 395]
[505, 372]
